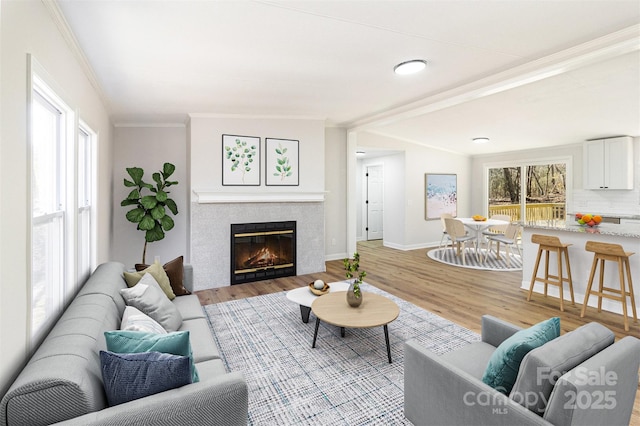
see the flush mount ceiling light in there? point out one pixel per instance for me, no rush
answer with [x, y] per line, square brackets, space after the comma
[480, 140]
[410, 67]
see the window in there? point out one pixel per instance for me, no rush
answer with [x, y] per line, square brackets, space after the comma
[48, 201]
[85, 179]
[62, 200]
[61, 162]
[531, 192]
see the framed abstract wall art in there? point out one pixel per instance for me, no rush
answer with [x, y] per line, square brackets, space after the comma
[441, 195]
[240, 160]
[282, 162]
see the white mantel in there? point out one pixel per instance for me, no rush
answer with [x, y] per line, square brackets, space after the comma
[208, 197]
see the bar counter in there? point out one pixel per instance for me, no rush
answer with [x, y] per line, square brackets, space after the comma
[631, 230]
[570, 232]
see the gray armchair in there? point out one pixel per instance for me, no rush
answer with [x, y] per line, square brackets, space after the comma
[581, 377]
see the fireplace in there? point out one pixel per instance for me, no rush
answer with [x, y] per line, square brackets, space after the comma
[261, 251]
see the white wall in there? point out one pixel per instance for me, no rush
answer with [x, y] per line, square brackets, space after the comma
[149, 148]
[26, 27]
[415, 231]
[206, 150]
[335, 211]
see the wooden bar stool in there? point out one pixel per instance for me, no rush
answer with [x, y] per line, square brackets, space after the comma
[614, 253]
[548, 244]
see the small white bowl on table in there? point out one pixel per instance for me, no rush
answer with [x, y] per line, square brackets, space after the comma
[304, 297]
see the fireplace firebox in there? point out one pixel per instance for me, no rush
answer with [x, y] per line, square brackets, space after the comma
[261, 251]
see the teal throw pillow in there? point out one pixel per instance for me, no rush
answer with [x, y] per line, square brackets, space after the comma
[503, 366]
[131, 376]
[176, 343]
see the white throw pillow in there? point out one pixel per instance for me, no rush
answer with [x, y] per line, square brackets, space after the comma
[135, 320]
[148, 297]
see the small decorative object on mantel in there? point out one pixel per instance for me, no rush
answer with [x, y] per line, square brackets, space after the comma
[354, 294]
[319, 287]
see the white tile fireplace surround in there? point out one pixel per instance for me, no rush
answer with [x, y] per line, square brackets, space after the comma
[212, 216]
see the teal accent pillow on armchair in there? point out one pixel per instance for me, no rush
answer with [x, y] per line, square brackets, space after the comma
[503, 366]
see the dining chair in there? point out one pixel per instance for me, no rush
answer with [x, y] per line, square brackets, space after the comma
[445, 237]
[459, 236]
[509, 239]
[497, 229]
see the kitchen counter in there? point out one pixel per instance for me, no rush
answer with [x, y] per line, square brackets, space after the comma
[631, 230]
[618, 216]
[570, 232]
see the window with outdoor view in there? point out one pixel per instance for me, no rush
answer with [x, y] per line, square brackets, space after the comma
[62, 164]
[85, 176]
[528, 192]
[48, 201]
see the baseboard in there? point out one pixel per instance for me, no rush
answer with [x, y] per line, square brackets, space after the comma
[336, 256]
[409, 247]
[340, 256]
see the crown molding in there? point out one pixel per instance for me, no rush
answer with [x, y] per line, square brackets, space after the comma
[58, 18]
[149, 124]
[256, 116]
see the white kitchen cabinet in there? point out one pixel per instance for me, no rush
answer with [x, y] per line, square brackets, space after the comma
[608, 163]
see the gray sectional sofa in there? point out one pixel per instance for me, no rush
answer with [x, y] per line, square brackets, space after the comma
[62, 382]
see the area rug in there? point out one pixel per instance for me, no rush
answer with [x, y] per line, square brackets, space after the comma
[447, 255]
[343, 381]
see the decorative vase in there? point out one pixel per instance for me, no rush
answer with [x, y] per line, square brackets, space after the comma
[352, 300]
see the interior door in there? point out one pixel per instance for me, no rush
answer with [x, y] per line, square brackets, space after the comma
[375, 211]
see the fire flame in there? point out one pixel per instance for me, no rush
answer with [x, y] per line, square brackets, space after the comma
[264, 257]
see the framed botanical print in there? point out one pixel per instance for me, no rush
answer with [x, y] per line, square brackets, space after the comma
[282, 162]
[240, 160]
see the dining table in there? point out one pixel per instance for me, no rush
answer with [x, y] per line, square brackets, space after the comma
[478, 226]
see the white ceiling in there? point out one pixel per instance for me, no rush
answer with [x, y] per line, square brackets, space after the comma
[523, 73]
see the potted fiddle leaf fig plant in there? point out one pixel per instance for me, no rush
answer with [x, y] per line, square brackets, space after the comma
[352, 268]
[151, 203]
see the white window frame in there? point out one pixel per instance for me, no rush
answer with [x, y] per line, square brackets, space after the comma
[41, 84]
[568, 161]
[87, 200]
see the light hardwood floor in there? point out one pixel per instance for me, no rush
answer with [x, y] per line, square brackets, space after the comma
[458, 294]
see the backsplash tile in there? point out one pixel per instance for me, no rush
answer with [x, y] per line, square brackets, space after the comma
[611, 202]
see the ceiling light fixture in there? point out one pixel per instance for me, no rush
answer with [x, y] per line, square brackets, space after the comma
[480, 140]
[360, 153]
[410, 67]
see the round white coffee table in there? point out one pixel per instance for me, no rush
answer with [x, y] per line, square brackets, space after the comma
[303, 297]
